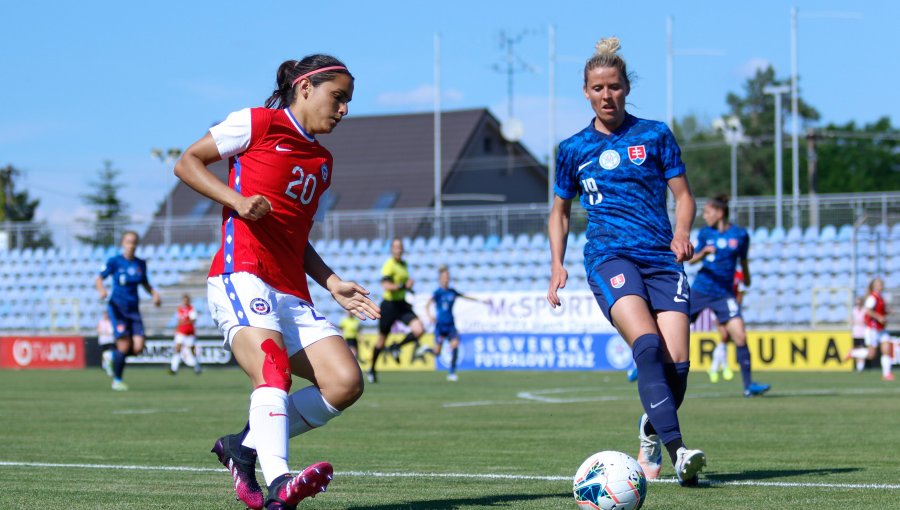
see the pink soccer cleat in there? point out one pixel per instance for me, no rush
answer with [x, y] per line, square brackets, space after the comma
[286, 491]
[241, 463]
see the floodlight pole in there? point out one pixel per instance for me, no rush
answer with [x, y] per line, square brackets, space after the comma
[438, 199]
[795, 129]
[551, 115]
[777, 91]
[168, 158]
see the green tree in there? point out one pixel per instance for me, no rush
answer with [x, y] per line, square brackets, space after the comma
[851, 158]
[20, 208]
[110, 212]
[708, 158]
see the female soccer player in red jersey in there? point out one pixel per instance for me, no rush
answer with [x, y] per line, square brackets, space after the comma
[258, 294]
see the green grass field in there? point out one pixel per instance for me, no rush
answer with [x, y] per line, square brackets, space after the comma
[414, 441]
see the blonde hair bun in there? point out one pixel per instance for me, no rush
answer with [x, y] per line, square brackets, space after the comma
[608, 46]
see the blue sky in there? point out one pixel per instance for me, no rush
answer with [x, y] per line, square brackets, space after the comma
[89, 81]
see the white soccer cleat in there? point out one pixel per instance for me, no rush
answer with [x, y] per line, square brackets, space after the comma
[688, 465]
[119, 386]
[452, 377]
[650, 452]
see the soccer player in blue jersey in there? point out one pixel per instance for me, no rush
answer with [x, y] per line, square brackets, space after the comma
[719, 246]
[128, 273]
[444, 324]
[621, 166]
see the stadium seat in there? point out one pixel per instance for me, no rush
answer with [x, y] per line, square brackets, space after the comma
[418, 244]
[539, 241]
[760, 235]
[477, 243]
[811, 234]
[463, 243]
[491, 242]
[895, 232]
[829, 233]
[777, 235]
[881, 231]
[845, 233]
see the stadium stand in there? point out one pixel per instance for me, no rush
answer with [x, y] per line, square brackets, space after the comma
[800, 277]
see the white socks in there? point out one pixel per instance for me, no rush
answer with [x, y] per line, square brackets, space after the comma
[269, 427]
[308, 409]
[300, 412]
[719, 357]
[885, 365]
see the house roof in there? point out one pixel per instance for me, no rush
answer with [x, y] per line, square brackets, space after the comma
[384, 153]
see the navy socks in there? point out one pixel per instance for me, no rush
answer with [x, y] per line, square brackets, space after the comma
[657, 397]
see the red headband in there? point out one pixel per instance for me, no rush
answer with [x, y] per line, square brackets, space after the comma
[317, 71]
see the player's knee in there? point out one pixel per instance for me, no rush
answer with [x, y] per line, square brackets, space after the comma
[343, 387]
[276, 369]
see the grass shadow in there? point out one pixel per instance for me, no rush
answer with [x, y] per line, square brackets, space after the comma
[455, 503]
[766, 474]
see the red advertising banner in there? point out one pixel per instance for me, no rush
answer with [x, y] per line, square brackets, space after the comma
[24, 352]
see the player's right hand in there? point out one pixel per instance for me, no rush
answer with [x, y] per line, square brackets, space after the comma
[102, 294]
[253, 208]
[558, 278]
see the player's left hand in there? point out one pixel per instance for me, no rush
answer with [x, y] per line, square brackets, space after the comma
[682, 248]
[353, 297]
[157, 301]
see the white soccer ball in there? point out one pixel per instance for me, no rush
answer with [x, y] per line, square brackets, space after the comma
[610, 481]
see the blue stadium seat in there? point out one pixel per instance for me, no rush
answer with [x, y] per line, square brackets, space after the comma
[811, 234]
[895, 232]
[477, 243]
[491, 242]
[433, 244]
[522, 241]
[539, 241]
[829, 233]
[777, 235]
[507, 242]
[760, 235]
[864, 232]
[794, 234]
[845, 233]
[881, 231]
[418, 244]
[463, 243]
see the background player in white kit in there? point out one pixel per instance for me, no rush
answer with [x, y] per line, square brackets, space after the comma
[258, 294]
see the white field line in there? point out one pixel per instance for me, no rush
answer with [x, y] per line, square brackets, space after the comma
[470, 476]
[538, 396]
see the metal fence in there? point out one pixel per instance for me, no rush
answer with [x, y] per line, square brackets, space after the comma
[750, 212]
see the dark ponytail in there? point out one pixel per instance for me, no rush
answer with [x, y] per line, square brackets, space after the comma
[720, 202]
[288, 71]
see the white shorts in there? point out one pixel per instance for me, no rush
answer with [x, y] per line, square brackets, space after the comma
[242, 300]
[875, 337]
[185, 340]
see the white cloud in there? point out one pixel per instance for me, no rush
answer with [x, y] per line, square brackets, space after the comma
[749, 68]
[420, 96]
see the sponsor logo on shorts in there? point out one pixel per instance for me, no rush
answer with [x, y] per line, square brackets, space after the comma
[260, 306]
[617, 281]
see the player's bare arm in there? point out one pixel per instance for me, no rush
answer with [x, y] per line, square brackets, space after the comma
[557, 231]
[350, 295]
[192, 168]
[685, 212]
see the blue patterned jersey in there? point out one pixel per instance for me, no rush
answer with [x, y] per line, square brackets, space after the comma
[127, 275]
[443, 303]
[716, 277]
[622, 178]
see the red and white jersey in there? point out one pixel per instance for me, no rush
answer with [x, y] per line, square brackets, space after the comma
[271, 155]
[875, 303]
[186, 317]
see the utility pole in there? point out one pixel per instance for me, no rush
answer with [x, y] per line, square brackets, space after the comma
[812, 168]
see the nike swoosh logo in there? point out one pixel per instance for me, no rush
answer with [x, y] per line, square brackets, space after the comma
[282, 149]
[652, 405]
[680, 300]
[276, 414]
[585, 164]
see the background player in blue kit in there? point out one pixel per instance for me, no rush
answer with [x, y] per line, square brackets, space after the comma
[128, 273]
[444, 324]
[621, 166]
[719, 245]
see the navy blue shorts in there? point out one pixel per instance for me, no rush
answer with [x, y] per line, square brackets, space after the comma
[664, 289]
[126, 320]
[725, 307]
[442, 331]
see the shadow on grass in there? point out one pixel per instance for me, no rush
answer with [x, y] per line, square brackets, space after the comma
[452, 504]
[766, 474]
